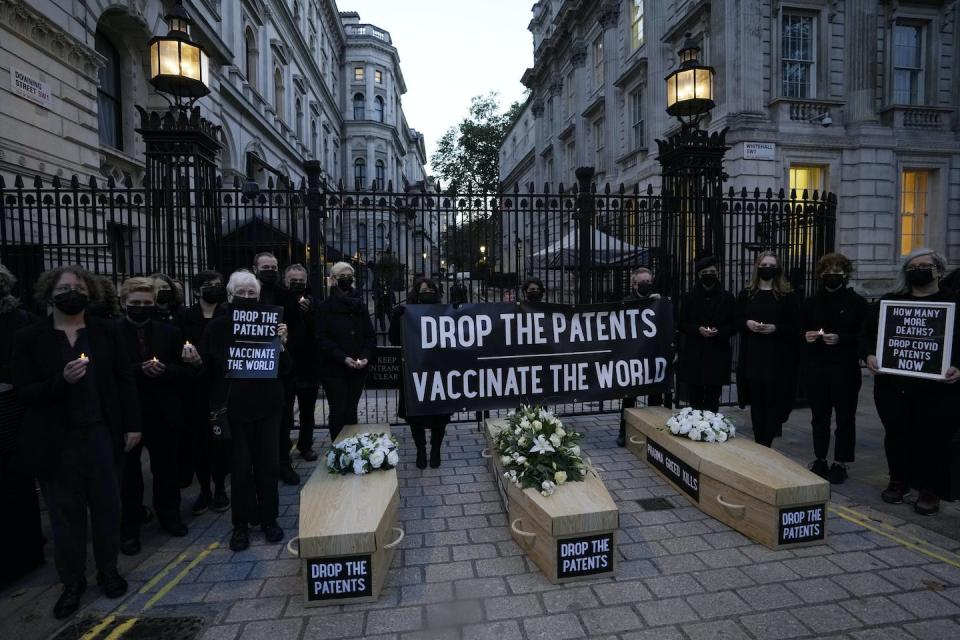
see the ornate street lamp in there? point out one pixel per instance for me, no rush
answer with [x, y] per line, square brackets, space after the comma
[179, 66]
[690, 87]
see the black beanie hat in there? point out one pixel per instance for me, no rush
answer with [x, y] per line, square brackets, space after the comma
[705, 262]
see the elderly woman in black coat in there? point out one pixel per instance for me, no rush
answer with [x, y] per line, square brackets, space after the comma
[424, 291]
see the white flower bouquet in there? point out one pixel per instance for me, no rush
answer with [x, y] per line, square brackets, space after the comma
[702, 426]
[363, 453]
[537, 452]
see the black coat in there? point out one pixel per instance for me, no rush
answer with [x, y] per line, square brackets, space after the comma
[161, 398]
[344, 330]
[38, 379]
[706, 361]
[246, 400]
[843, 313]
[13, 317]
[302, 340]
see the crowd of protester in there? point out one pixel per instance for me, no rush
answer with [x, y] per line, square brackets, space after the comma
[104, 374]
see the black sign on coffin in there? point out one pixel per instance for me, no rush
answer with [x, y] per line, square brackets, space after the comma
[802, 524]
[584, 556]
[678, 471]
[253, 349]
[500, 355]
[338, 578]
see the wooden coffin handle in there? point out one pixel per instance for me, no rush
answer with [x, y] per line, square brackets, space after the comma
[637, 441]
[520, 532]
[485, 453]
[294, 552]
[738, 509]
[398, 540]
[592, 469]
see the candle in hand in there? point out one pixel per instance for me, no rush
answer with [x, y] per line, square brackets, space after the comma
[187, 344]
[155, 359]
[84, 357]
[820, 332]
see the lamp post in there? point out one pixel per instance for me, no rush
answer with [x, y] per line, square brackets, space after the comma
[692, 175]
[178, 66]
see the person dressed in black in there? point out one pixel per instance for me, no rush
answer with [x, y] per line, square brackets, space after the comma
[919, 415]
[767, 311]
[300, 317]
[13, 317]
[82, 412]
[347, 341]
[642, 294]
[254, 408]
[383, 303]
[267, 269]
[424, 291]
[169, 301]
[533, 290]
[458, 294]
[831, 321]
[706, 322]
[154, 349]
[108, 306]
[198, 453]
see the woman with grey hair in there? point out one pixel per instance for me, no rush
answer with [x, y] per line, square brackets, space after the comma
[918, 414]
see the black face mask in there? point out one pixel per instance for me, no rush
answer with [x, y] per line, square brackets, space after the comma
[345, 284]
[535, 296]
[709, 280]
[919, 277]
[768, 273]
[244, 303]
[268, 278]
[644, 289]
[71, 302]
[428, 297]
[833, 281]
[297, 287]
[164, 296]
[140, 315]
[213, 295]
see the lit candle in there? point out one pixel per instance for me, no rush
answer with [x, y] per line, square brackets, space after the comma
[187, 344]
[84, 357]
[155, 360]
[302, 299]
[820, 332]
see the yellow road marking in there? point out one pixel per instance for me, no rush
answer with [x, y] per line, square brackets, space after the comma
[121, 629]
[915, 544]
[180, 576]
[95, 631]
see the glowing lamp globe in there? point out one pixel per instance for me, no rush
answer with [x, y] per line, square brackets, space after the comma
[178, 66]
[690, 87]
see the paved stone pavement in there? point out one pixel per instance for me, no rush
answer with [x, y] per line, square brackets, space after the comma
[458, 574]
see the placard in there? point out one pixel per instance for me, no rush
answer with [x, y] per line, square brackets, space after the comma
[501, 355]
[253, 350]
[678, 471]
[802, 524]
[385, 369]
[337, 578]
[915, 338]
[584, 556]
[26, 86]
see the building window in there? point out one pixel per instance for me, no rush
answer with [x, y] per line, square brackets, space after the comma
[381, 176]
[378, 108]
[109, 106]
[807, 178]
[548, 170]
[598, 63]
[252, 57]
[636, 118]
[314, 136]
[550, 121]
[914, 189]
[381, 239]
[359, 173]
[571, 93]
[299, 115]
[358, 74]
[278, 91]
[907, 64]
[798, 56]
[378, 76]
[636, 24]
[571, 158]
[598, 144]
[362, 239]
[359, 107]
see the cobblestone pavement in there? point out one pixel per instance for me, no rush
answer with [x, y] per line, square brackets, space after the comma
[458, 574]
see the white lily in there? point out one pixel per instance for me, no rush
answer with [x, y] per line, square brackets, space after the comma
[541, 445]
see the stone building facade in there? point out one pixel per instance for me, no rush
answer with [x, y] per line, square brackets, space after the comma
[280, 82]
[859, 98]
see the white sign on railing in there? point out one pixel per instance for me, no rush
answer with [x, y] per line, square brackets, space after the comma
[28, 87]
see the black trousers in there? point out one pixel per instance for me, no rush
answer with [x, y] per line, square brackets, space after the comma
[254, 481]
[704, 397]
[766, 409]
[306, 396]
[343, 395]
[209, 459]
[85, 481]
[920, 422]
[834, 388]
[162, 441]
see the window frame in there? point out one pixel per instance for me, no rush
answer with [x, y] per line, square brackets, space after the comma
[930, 179]
[359, 106]
[359, 73]
[251, 55]
[379, 109]
[359, 173]
[571, 92]
[599, 62]
[814, 65]
[380, 173]
[378, 76]
[923, 27]
[637, 36]
[598, 129]
[279, 92]
[637, 126]
[114, 100]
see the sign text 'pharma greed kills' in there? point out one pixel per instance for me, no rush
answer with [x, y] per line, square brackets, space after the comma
[253, 350]
[335, 578]
[28, 87]
[584, 556]
[499, 355]
[678, 471]
[916, 338]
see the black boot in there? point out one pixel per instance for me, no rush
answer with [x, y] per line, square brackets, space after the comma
[436, 441]
[622, 436]
[420, 439]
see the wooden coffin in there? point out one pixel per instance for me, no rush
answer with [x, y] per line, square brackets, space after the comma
[348, 531]
[751, 488]
[570, 535]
